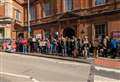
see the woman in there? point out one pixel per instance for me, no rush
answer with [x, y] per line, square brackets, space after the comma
[24, 43]
[85, 47]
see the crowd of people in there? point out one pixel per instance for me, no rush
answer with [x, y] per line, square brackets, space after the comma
[73, 47]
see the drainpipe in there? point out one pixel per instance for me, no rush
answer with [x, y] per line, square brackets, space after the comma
[29, 28]
[115, 5]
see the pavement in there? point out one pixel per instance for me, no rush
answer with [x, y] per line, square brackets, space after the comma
[20, 68]
[104, 62]
[82, 60]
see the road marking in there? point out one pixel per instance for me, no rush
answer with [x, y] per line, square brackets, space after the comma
[107, 69]
[20, 76]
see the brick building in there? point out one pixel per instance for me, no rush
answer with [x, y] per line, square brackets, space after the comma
[93, 18]
[11, 16]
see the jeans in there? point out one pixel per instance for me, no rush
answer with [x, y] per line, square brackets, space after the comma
[24, 49]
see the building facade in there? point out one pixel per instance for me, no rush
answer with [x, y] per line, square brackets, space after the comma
[79, 18]
[11, 16]
[57, 18]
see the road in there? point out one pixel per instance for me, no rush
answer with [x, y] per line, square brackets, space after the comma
[43, 69]
[23, 68]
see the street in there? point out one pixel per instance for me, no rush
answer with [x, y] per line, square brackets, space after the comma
[23, 68]
[44, 69]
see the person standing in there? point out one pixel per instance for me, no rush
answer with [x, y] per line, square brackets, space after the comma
[14, 46]
[75, 46]
[85, 47]
[114, 46]
[34, 43]
[48, 46]
[64, 47]
[24, 43]
[106, 46]
[30, 44]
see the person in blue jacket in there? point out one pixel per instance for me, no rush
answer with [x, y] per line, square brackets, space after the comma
[114, 45]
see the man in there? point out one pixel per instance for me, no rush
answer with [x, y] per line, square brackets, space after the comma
[114, 46]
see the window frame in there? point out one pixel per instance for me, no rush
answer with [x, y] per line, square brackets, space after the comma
[100, 27]
[17, 12]
[32, 13]
[48, 10]
[68, 5]
[100, 4]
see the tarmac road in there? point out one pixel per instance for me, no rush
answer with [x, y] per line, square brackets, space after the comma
[42, 69]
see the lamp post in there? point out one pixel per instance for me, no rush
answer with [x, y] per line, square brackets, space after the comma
[29, 17]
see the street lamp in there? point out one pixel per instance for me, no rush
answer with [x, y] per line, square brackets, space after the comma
[29, 17]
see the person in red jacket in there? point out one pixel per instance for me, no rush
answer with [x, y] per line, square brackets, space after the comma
[24, 43]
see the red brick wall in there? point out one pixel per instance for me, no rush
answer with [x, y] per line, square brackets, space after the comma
[113, 26]
[59, 6]
[76, 4]
[2, 10]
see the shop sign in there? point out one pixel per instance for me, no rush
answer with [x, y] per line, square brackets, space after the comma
[116, 34]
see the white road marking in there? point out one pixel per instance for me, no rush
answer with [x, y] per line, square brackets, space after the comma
[20, 76]
[107, 69]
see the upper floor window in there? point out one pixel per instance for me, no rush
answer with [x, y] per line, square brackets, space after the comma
[17, 15]
[46, 8]
[100, 2]
[32, 12]
[68, 5]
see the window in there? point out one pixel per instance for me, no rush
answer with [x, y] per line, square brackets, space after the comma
[100, 30]
[47, 8]
[100, 2]
[17, 15]
[68, 5]
[32, 12]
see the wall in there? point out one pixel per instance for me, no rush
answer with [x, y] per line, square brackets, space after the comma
[113, 26]
[18, 7]
[2, 10]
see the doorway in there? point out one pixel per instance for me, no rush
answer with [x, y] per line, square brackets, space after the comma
[69, 32]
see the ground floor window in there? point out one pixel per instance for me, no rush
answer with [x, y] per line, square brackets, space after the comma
[2, 33]
[100, 30]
